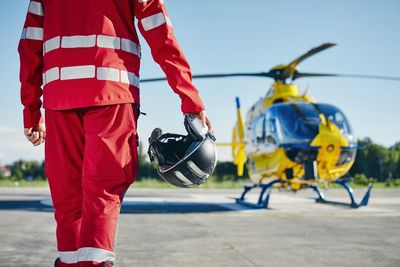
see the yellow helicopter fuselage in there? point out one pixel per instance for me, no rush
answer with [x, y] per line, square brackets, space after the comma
[269, 158]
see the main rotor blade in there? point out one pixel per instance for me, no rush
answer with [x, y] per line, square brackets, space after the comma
[298, 75]
[210, 76]
[291, 67]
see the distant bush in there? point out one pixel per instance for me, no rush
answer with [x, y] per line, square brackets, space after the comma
[362, 179]
[393, 182]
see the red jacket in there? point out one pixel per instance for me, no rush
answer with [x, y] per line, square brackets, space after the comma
[87, 53]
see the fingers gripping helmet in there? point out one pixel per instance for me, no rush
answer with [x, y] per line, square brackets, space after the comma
[184, 160]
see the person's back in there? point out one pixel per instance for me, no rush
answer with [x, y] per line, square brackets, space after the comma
[91, 53]
[85, 54]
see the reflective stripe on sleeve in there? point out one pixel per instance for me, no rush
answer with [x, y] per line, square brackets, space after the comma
[78, 41]
[52, 44]
[169, 22]
[23, 34]
[36, 8]
[144, 1]
[108, 41]
[68, 256]
[95, 255]
[153, 21]
[109, 74]
[78, 72]
[32, 33]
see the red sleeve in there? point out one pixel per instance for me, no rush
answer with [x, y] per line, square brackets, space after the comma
[31, 58]
[155, 26]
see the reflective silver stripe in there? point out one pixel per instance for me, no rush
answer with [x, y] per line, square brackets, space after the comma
[68, 256]
[33, 33]
[78, 41]
[23, 34]
[169, 22]
[129, 46]
[44, 79]
[89, 71]
[108, 41]
[130, 78]
[78, 72]
[182, 178]
[36, 8]
[52, 44]
[144, 1]
[109, 74]
[95, 254]
[194, 168]
[153, 21]
[52, 75]
[85, 41]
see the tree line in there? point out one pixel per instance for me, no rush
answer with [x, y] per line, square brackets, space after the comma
[373, 162]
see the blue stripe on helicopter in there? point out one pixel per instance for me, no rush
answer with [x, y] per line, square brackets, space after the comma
[354, 146]
[299, 146]
[350, 147]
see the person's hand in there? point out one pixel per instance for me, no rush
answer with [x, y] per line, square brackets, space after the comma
[36, 135]
[202, 115]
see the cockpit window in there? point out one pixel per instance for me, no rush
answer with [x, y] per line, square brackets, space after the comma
[259, 130]
[336, 116]
[299, 122]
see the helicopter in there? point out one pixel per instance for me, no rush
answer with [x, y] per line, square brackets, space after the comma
[289, 140]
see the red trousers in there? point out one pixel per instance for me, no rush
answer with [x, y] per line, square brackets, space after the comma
[91, 160]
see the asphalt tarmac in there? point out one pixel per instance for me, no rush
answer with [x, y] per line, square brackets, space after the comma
[196, 227]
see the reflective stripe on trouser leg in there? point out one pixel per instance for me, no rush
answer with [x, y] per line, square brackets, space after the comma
[110, 166]
[63, 157]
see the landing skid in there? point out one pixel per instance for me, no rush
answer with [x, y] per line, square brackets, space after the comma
[353, 204]
[263, 199]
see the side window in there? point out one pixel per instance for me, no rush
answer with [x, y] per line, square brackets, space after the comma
[270, 132]
[259, 130]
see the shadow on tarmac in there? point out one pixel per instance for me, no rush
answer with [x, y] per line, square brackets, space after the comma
[132, 207]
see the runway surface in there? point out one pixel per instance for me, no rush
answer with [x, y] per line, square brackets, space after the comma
[196, 227]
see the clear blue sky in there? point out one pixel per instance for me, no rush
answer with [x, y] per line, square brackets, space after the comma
[234, 36]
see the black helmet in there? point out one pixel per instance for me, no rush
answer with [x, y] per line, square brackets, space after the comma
[184, 160]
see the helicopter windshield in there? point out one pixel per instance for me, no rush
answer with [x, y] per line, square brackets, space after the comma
[299, 122]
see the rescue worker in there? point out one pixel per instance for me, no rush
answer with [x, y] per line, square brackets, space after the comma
[84, 57]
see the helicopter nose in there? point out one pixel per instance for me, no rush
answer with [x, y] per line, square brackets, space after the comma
[301, 153]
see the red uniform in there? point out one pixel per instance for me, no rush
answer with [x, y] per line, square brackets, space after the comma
[84, 57]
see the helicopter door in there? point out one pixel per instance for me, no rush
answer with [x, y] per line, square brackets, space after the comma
[264, 139]
[259, 131]
[270, 130]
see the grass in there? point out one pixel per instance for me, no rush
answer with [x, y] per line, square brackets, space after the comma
[153, 183]
[144, 183]
[9, 182]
